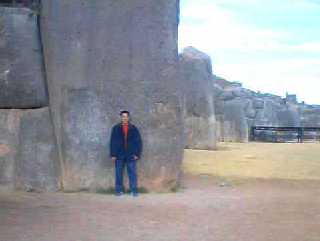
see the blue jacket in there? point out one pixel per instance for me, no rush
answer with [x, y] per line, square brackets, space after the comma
[134, 142]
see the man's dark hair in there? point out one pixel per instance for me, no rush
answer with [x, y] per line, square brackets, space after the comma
[124, 112]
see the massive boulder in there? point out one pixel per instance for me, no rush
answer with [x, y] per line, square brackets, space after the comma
[37, 164]
[268, 115]
[238, 109]
[276, 112]
[22, 82]
[28, 152]
[233, 108]
[102, 57]
[290, 116]
[234, 121]
[197, 99]
[310, 115]
[9, 139]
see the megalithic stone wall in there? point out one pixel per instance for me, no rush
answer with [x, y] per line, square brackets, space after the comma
[22, 83]
[9, 139]
[37, 165]
[102, 57]
[196, 86]
[310, 115]
[28, 152]
[237, 109]
[233, 110]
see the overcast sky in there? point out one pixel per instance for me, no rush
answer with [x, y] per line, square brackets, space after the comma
[268, 45]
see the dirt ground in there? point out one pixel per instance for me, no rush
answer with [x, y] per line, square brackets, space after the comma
[205, 208]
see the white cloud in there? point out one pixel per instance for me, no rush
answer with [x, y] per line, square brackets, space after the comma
[295, 76]
[215, 30]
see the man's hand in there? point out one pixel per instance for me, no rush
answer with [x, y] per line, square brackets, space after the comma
[135, 157]
[113, 159]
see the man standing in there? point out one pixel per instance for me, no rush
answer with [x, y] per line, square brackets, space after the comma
[125, 150]
[300, 135]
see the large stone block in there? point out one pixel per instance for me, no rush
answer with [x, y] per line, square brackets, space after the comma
[289, 116]
[84, 143]
[197, 99]
[258, 103]
[310, 116]
[104, 56]
[28, 153]
[250, 111]
[37, 163]
[22, 82]
[9, 138]
[217, 90]
[235, 125]
[227, 95]
[268, 115]
[235, 109]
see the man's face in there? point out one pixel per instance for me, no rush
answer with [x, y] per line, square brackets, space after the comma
[124, 118]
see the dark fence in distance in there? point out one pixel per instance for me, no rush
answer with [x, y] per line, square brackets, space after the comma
[284, 134]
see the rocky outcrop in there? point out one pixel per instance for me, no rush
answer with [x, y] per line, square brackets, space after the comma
[310, 115]
[234, 108]
[104, 56]
[22, 83]
[234, 121]
[237, 109]
[197, 100]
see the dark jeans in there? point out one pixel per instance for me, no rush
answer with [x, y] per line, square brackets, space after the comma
[132, 174]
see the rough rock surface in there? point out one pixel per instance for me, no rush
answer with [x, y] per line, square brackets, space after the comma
[234, 122]
[197, 99]
[233, 108]
[310, 115]
[237, 109]
[9, 138]
[268, 115]
[104, 56]
[37, 165]
[28, 153]
[22, 82]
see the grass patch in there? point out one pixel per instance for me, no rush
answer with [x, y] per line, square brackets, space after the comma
[175, 188]
[256, 160]
[143, 190]
[76, 191]
[108, 191]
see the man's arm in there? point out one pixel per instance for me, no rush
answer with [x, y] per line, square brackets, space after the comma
[138, 142]
[113, 143]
